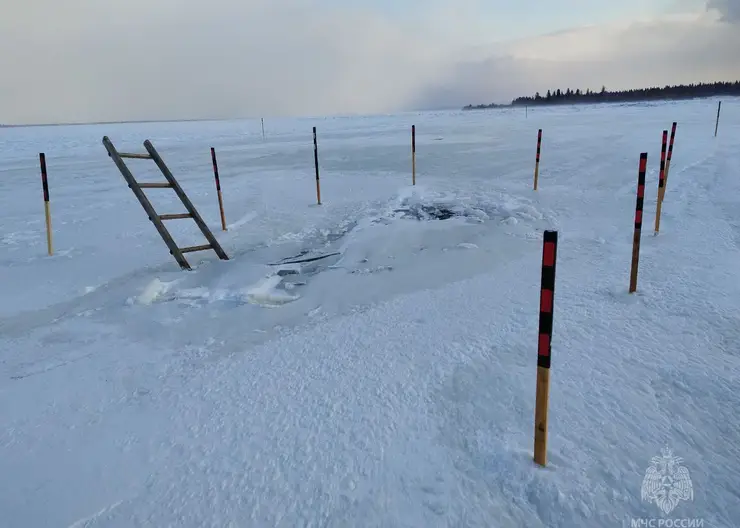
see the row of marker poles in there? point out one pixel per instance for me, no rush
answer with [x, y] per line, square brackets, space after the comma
[537, 159]
[45, 183]
[665, 165]
[547, 288]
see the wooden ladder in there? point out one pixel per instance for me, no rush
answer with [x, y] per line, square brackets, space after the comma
[157, 219]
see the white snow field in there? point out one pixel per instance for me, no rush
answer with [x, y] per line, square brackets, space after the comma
[392, 384]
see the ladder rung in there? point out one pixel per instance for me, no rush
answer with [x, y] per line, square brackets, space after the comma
[175, 216]
[195, 248]
[135, 156]
[155, 185]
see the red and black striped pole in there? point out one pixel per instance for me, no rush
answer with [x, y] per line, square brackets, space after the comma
[218, 189]
[638, 221]
[316, 165]
[547, 295]
[661, 182]
[413, 154]
[537, 159]
[47, 209]
[670, 155]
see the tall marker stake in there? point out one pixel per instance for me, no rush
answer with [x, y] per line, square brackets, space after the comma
[661, 182]
[547, 294]
[716, 127]
[537, 159]
[670, 156]
[262, 119]
[218, 189]
[47, 210]
[316, 164]
[413, 154]
[638, 221]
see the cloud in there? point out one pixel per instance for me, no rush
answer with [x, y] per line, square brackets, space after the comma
[187, 58]
[729, 9]
[670, 50]
[85, 60]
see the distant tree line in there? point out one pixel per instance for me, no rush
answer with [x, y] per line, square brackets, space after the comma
[569, 96]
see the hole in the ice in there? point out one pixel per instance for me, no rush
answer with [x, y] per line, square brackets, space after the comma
[428, 212]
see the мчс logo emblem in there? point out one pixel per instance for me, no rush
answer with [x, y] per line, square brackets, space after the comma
[667, 482]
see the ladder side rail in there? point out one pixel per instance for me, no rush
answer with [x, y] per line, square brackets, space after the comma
[145, 203]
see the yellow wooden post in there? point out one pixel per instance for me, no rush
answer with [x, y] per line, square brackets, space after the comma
[638, 222]
[670, 156]
[47, 209]
[316, 165]
[218, 189]
[537, 159]
[716, 127]
[661, 182]
[544, 348]
[413, 154]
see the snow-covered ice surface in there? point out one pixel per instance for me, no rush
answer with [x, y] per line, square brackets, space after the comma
[391, 383]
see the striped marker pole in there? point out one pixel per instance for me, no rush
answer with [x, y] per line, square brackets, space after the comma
[47, 210]
[716, 127]
[547, 294]
[661, 182]
[638, 221]
[413, 154]
[670, 155]
[537, 159]
[316, 164]
[218, 189]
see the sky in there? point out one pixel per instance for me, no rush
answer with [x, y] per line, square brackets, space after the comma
[92, 60]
